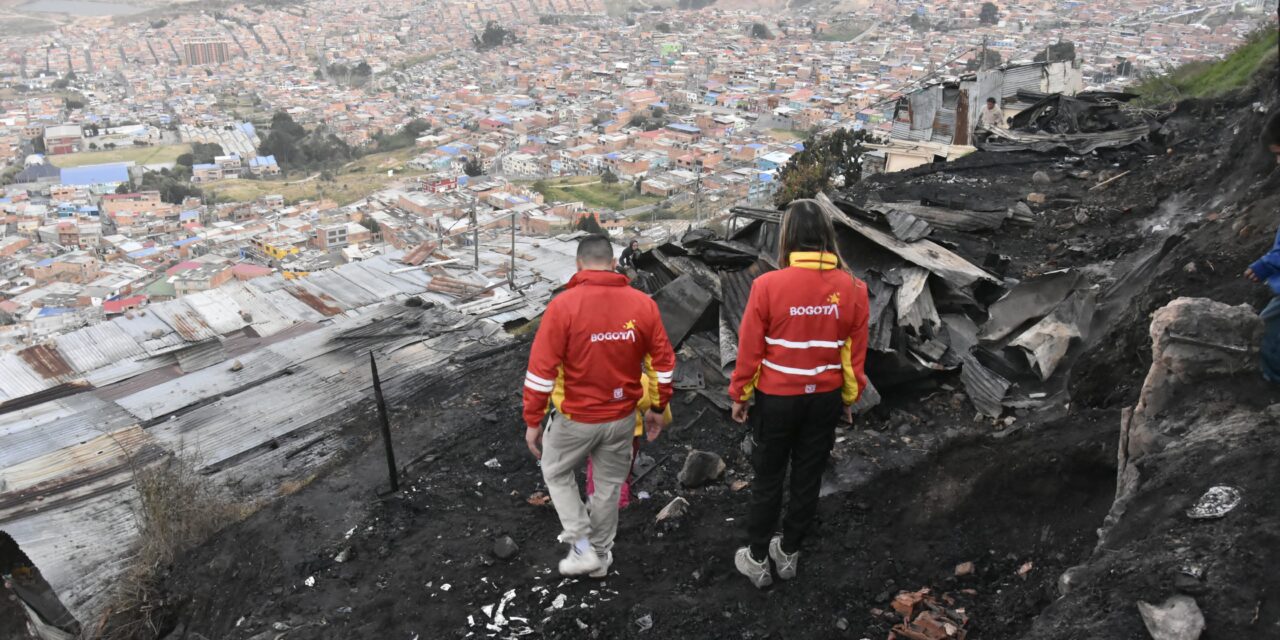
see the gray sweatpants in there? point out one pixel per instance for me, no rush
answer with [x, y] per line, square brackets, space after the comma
[566, 445]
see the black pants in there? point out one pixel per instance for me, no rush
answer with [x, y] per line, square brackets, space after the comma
[800, 430]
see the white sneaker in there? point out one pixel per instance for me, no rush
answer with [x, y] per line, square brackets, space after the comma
[757, 572]
[606, 561]
[785, 563]
[579, 563]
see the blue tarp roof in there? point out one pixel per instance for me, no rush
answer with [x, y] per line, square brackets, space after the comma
[248, 128]
[44, 263]
[96, 174]
[262, 161]
[54, 311]
[206, 165]
[143, 253]
[189, 215]
[186, 241]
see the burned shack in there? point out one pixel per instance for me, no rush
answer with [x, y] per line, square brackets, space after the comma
[933, 311]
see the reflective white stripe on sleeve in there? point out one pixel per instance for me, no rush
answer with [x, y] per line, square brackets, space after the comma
[808, 344]
[538, 384]
[802, 372]
[665, 377]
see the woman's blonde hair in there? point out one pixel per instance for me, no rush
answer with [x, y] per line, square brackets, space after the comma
[806, 227]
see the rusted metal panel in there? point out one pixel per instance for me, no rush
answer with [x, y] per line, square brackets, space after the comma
[323, 303]
[45, 360]
[184, 320]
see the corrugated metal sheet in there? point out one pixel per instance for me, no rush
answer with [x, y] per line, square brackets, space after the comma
[150, 331]
[218, 309]
[273, 282]
[61, 471]
[97, 345]
[903, 131]
[79, 548]
[320, 302]
[35, 431]
[735, 287]
[46, 362]
[257, 309]
[200, 355]
[384, 286]
[185, 321]
[1027, 78]
[348, 293]
[18, 380]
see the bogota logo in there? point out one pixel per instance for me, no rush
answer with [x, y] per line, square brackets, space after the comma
[628, 334]
[831, 309]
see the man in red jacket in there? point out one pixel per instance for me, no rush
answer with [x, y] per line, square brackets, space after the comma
[587, 360]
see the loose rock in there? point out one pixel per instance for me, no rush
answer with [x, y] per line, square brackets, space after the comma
[505, 548]
[1041, 178]
[674, 509]
[1178, 618]
[700, 468]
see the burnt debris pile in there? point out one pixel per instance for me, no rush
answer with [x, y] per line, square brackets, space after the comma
[934, 312]
[1079, 124]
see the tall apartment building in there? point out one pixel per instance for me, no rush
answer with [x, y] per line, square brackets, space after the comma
[206, 50]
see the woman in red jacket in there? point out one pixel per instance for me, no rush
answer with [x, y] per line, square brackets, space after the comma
[801, 349]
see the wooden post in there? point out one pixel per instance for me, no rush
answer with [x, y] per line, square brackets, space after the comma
[386, 425]
[511, 273]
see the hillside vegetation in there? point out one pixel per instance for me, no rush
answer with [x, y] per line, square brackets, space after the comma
[1208, 79]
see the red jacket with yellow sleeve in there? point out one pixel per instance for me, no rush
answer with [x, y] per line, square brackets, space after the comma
[591, 352]
[804, 331]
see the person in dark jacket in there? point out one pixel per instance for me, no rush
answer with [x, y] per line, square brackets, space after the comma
[1267, 270]
[627, 261]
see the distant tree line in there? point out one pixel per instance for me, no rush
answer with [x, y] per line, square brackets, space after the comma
[297, 149]
[406, 137]
[353, 76]
[494, 35]
[174, 184]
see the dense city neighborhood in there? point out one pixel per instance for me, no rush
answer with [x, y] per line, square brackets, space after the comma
[149, 158]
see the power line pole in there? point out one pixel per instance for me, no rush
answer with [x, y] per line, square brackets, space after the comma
[697, 197]
[475, 233]
[511, 273]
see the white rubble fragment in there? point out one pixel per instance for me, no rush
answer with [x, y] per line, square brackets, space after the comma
[310, 581]
[446, 586]
[492, 463]
[558, 603]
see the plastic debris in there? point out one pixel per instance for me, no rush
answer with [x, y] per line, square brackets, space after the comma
[310, 581]
[1216, 502]
[493, 463]
[1178, 618]
[539, 499]
[645, 622]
